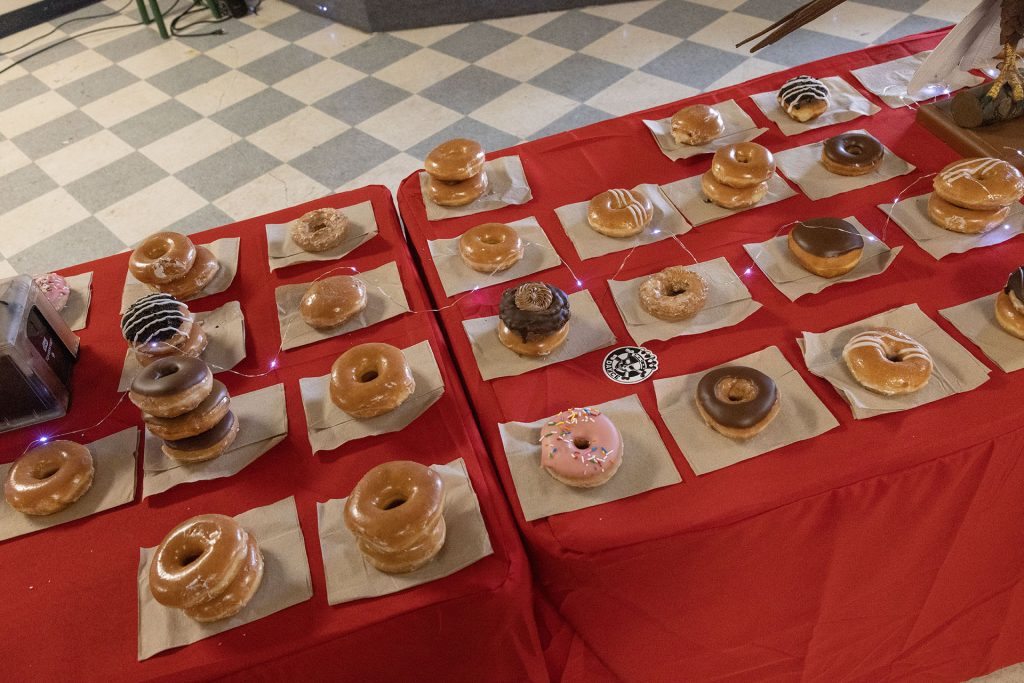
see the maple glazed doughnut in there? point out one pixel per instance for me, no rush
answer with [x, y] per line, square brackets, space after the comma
[743, 165]
[852, 154]
[332, 301]
[491, 247]
[371, 379]
[580, 447]
[455, 160]
[533, 318]
[731, 197]
[200, 419]
[206, 445]
[396, 514]
[674, 294]
[49, 478]
[737, 401]
[195, 280]
[827, 247]
[171, 386]
[697, 124]
[958, 219]
[1010, 304]
[620, 213]
[981, 184]
[457, 192]
[319, 230]
[162, 257]
[888, 361]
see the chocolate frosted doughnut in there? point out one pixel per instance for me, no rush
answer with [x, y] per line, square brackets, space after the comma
[155, 318]
[852, 154]
[205, 446]
[534, 309]
[171, 386]
[737, 401]
[1015, 284]
[803, 98]
[1010, 304]
[827, 237]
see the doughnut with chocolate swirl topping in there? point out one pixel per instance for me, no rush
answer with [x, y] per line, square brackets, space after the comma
[534, 318]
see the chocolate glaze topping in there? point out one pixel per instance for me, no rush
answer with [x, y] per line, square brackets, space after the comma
[1015, 284]
[208, 438]
[853, 149]
[827, 237]
[218, 394]
[520, 309]
[169, 376]
[738, 414]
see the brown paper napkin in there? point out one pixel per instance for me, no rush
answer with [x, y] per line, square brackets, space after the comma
[739, 127]
[646, 464]
[113, 484]
[286, 582]
[976, 320]
[282, 250]
[801, 415]
[588, 331]
[350, 577]
[803, 166]
[911, 214]
[457, 277]
[226, 251]
[845, 104]
[687, 196]
[262, 424]
[328, 426]
[955, 371]
[225, 330]
[385, 298]
[889, 80]
[789, 277]
[728, 303]
[589, 243]
[76, 312]
[506, 185]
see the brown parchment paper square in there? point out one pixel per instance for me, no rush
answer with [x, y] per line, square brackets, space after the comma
[589, 243]
[76, 312]
[845, 104]
[728, 302]
[889, 80]
[775, 259]
[226, 251]
[911, 214]
[506, 185]
[739, 127]
[687, 196]
[646, 464]
[801, 415]
[328, 426]
[113, 484]
[282, 250]
[456, 276]
[350, 577]
[588, 331]
[225, 331]
[955, 371]
[976, 320]
[803, 166]
[262, 424]
[385, 298]
[286, 582]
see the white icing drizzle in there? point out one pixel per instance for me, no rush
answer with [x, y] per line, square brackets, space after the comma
[877, 340]
[800, 88]
[140, 317]
[967, 169]
[623, 199]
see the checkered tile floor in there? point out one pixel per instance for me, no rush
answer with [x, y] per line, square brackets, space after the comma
[118, 134]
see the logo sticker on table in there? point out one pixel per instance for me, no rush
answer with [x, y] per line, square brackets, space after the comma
[630, 364]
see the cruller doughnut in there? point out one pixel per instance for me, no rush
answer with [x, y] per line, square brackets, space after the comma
[888, 361]
[827, 247]
[674, 294]
[49, 478]
[737, 401]
[169, 387]
[1010, 304]
[162, 257]
[371, 379]
[580, 447]
[491, 247]
[620, 213]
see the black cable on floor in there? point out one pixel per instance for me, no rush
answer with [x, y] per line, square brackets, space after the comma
[65, 23]
[176, 30]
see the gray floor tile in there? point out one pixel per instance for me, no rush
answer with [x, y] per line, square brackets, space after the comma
[132, 43]
[20, 89]
[22, 186]
[361, 100]
[802, 46]
[114, 182]
[910, 25]
[769, 9]
[205, 218]
[281, 64]
[580, 76]
[257, 112]
[297, 26]
[232, 29]
[155, 123]
[474, 42]
[81, 20]
[490, 138]
[693, 64]
[677, 18]
[54, 54]
[343, 158]
[578, 117]
[376, 53]
[97, 85]
[188, 75]
[575, 30]
[50, 137]
[83, 241]
[469, 89]
[227, 170]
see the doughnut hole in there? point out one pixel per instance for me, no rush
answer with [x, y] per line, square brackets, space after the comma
[368, 376]
[189, 553]
[854, 148]
[491, 239]
[160, 373]
[393, 503]
[676, 290]
[581, 442]
[45, 469]
[735, 390]
[156, 250]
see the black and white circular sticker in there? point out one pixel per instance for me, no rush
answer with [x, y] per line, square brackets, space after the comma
[630, 364]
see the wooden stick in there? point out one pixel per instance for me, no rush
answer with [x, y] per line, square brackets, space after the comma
[815, 10]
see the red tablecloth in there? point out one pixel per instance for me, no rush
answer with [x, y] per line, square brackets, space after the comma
[69, 606]
[886, 549]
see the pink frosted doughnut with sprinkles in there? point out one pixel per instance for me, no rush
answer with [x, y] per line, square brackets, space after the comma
[580, 447]
[54, 288]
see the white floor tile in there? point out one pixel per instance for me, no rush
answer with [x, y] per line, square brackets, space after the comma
[524, 58]
[32, 113]
[946, 10]
[409, 122]
[856, 21]
[147, 211]
[429, 34]
[420, 70]
[526, 23]
[220, 93]
[81, 158]
[11, 158]
[631, 46]
[7, 270]
[18, 39]
[125, 103]
[164, 56]
[750, 69]
[282, 187]
[71, 68]
[269, 12]
[390, 173]
[638, 91]
[729, 29]
[298, 133]
[245, 49]
[523, 110]
[625, 11]
[332, 40]
[188, 145]
[94, 40]
[36, 220]
[318, 81]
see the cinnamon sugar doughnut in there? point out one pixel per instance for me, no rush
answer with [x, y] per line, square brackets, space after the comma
[49, 478]
[674, 294]
[319, 230]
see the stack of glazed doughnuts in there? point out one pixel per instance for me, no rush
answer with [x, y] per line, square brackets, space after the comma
[739, 175]
[158, 325]
[371, 379]
[456, 170]
[974, 195]
[49, 478]
[168, 262]
[185, 406]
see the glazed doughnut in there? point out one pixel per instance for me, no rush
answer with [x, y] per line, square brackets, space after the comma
[803, 98]
[736, 401]
[455, 160]
[396, 513]
[827, 247]
[54, 288]
[852, 154]
[332, 301]
[162, 257]
[319, 230]
[888, 361]
[580, 447]
[458, 192]
[169, 387]
[1010, 304]
[731, 197]
[673, 294]
[205, 446]
[371, 379]
[195, 280]
[958, 219]
[743, 165]
[491, 247]
[697, 124]
[620, 213]
[981, 184]
[49, 478]
[238, 593]
[202, 418]
[533, 318]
